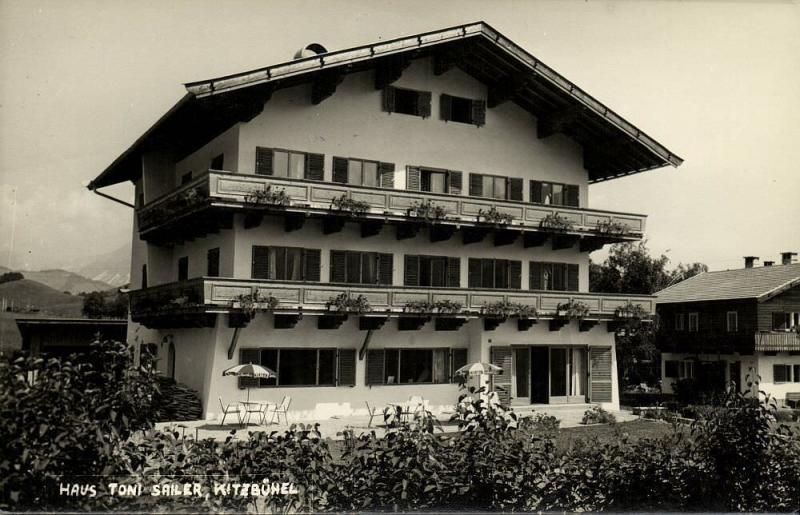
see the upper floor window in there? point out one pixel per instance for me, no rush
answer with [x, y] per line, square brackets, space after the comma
[285, 263]
[183, 268]
[407, 101]
[680, 321]
[436, 271]
[783, 321]
[355, 267]
[694, 322]
[212, 259]
[289, 163]
[553, 276]
[495, 186]
[555, 193]
[363, 172]
[434, 180]
[732, 324]
[494, 273]
[463, 110]
[218, 163]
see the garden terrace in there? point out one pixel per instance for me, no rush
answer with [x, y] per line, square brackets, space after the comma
[206, 204]
[192, 303]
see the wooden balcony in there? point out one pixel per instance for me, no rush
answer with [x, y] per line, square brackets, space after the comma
[777, 341]
[194, 303]
[206, 205]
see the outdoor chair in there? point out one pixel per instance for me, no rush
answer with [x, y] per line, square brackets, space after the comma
[228, 409]
[282, 408]
[373, 412]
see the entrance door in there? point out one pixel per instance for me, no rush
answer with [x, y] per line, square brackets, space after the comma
[559, 375]
[171, 361]
[540, 375]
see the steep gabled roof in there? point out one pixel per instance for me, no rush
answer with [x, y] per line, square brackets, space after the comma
[613, 147]
[760, 283]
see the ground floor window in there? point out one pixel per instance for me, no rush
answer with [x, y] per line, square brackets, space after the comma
[414, 366]
[786, 373]
[679, 369]
[302, 366]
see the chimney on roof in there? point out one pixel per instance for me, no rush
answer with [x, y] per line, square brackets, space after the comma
[786, 257]
[769, 263]
[749, 260]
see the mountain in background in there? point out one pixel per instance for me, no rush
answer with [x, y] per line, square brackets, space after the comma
[28, 292]
[112, 268]
[64, 281]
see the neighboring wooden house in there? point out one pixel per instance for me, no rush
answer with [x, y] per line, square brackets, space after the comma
[733, 325]
[59, 337]
[409, 206]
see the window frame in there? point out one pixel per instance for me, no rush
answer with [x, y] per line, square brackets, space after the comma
[448, 372]
[404, 91]
[788, 370]
[696, 316]
[680, 321]
[289, 153]
[377, 164]
[732, 328]
[272, 250]
[550, 184]
[494, 177]
[426, 171]
[262, 381]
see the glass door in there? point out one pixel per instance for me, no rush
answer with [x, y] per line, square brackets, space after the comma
[559, 375]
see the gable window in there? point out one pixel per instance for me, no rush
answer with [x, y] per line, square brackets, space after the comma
[434, 180]
[407, 101]
[354, 267]
[555, 193]
[694, 322]
[285, 263]
[212, 259]
[495, 186]
[462, 110]
[783, 321]
[218, 163]
[680, 321]
[183, 268]
[553, 276]
[435, 271]
[413, 366]
[732, 321]
[301, 367]
[289, 163]
[362, 172]
[494, 273]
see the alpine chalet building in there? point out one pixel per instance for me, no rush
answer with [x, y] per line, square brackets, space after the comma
[366, 221]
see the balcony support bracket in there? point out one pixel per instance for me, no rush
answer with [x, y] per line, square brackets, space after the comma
[523, 324]
[533, 239]
[411, 323]
[407, 230]
[286, 321]
[492, 323]
[505, 237]
[449, 323]
[331, 321]
[557, 323]
[586, 325]
[293, 221]
[564, 241]
[371, 228]
[473, 234]
[325, 84]
[332, 224]
[590, 244]
[440, 232]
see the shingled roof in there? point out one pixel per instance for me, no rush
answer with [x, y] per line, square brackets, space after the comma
[759, 283]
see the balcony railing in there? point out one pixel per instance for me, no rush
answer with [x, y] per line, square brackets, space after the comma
[223, 190]
[777, 341]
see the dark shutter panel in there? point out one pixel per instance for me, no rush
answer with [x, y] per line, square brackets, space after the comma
[446, 107]
[455, 182]
[338, 266]
[263, 161]
[347, 367]
[249, 356]
[515, 189]
[386, 174]
[600, 374]
[340, 170]
[559, 276]
[458, 360]
[388, 99]
[424, 104]
[144, 276]
[453, 272]
[501, 356]
[412, 178]
[311, 265]
[315, 163]
[474, 273]
[536, 192]
[475, 185]
[572, 196]
[535, 276]
[411, 271]
[375, 358]
[479, 112]
[385, 268]
[515, 275]
[212, 270]
[260, 269]
[572, 277]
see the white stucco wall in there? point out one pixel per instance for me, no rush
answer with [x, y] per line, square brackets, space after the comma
[765, 370]
[749, 366]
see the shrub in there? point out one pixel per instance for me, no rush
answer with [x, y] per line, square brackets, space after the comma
[544, 425]
[344, 303]
[268, 197]
[556, 221]
[11, 276]
[251, 303]
[573, 309]
[349, 205]
[597, 415]
[428, 211]
[612, 227]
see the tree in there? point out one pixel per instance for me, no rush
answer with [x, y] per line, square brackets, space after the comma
[93, 305]
[11, 276]
[105, 305]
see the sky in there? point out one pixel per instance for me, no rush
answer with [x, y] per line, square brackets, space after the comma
[717, 82]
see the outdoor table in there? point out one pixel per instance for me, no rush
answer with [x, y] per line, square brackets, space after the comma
[259, 407]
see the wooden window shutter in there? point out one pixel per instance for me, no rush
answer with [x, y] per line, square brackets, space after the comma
[311, 258]
[514, 189]
[572, 195]
[212, 258]
[375, 364]
[412, 178]
[514, 274]
[249, 356]
[474, 273]
[458, 359]
[338, 260]
[263, 161]
[453, 272]
[260, 268]
[386, 175]
[600, 374]
[315, 164]
[536, 192]
[424, 104]
[411, 271]
[572, 277]
[475, 185]
[479, 112]
[446, 107]
[455, 179]
[535, 276]
[340, 170]
[385, 268]
[501, 356]
[388, 99]
[347, 367]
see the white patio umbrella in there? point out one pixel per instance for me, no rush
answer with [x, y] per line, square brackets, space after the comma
[478, 368]
[250, 370]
